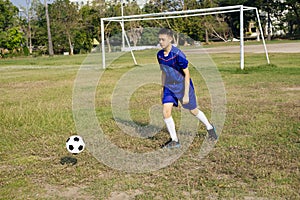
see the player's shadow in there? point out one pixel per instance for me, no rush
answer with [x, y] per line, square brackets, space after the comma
[68, 160]
[141, 129]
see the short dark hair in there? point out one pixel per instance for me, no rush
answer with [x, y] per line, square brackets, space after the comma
[165, 31]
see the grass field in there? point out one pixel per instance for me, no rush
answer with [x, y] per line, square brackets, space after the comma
[257, 156]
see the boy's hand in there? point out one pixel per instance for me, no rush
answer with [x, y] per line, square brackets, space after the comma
[185, 99]
[162, 93]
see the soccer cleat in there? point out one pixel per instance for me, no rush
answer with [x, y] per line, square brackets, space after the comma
[212, 135]
[171, 144]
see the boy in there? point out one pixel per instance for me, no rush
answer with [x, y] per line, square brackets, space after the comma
[177, 86]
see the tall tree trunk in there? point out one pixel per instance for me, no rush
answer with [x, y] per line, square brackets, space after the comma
[50, 45]
[176, 39]
[28, 3]
[70, 44]
[30, 39]
[269, 26]
[206, 36]
[108, 43]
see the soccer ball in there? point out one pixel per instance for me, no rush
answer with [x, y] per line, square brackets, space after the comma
[75, 144]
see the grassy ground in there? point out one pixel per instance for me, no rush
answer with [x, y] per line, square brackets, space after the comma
[257, 156]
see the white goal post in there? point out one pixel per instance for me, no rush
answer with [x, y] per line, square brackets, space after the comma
[186, 13]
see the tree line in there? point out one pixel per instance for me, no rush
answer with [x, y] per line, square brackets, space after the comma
[43, 28]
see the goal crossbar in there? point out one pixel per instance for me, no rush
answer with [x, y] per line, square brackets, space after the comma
[187, 13]
[203, 10]
[172, 17]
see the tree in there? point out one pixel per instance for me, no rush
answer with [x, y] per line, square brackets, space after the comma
[14, 39]
[233, 19]
[50, 45]
[286, 12]
[89, 21]
[292, 17]
[135, 34]
[28, 2]
[112, 29]
[192, 27]
[26, 24]
[153, 6]
[38, 24]
[65, 16]
[135, 28]
[8, 16]
[218, 28]
[10, 35]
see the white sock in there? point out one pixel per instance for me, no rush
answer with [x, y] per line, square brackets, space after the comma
[201, 116]
[171, 128]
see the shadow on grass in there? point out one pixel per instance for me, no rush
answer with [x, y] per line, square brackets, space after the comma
[68, 160]
[139, 129]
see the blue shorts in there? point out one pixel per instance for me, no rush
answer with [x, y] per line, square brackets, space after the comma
[173, 97]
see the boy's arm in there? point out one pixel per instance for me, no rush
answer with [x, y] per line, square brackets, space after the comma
[186, 99]
[183, 64]
[163, 79]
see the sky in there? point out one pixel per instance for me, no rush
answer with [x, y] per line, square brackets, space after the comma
[22, 3]
[19, 3]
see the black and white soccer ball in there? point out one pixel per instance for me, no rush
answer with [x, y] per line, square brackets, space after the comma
[75, 144]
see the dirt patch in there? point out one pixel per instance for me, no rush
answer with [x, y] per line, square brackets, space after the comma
[75, 192]
[72, 192]
[124, 195]
[291, 89]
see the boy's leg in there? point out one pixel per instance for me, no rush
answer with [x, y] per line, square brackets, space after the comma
[167, 114]
[210, 129]
[201, 116]
[192, 106]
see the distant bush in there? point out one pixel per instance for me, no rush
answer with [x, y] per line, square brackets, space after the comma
[26, 51]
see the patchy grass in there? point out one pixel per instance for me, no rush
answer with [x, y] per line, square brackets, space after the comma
[256, 156]
[44, 61]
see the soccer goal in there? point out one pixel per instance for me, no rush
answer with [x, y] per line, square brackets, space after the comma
[181, 14]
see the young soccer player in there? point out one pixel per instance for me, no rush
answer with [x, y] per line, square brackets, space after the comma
[177, 86]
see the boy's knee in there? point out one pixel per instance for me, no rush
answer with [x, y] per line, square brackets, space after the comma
[167, 113]
[167, 110]
[194, 111]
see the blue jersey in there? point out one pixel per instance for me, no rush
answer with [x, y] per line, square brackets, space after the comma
[173, 65]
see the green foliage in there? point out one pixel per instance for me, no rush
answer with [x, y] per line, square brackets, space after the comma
[10, 36]
[64, 22]
[83, 42]
[90, 28]
[38, 25]
[276, 9]
[13, 41]
[149, 36]
[8, 16]
[26, 51]
[293, 18]
[14, 38]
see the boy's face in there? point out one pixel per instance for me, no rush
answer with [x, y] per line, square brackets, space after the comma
[164, 40]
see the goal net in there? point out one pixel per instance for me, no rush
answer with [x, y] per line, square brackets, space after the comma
[126, 38]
